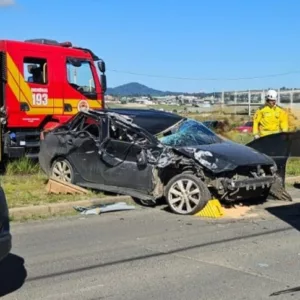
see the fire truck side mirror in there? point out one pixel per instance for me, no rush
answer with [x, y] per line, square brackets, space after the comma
[101, 66]
[103, 82]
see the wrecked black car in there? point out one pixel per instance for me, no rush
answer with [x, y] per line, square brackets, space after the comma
[186, 163]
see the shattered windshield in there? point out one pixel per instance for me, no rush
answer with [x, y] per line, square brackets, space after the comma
[190, 133]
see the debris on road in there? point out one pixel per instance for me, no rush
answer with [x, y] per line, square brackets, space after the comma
[263, 265]
[55, 186]
[102, 208]
[237, 212]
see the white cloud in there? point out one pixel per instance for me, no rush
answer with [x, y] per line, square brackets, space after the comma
[7, 2]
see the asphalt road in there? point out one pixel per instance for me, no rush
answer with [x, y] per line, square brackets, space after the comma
[153, 254]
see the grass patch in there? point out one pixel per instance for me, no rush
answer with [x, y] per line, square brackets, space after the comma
[293, 167]
[22, 166]
[25, 190]
[24, 184]
[235, 136]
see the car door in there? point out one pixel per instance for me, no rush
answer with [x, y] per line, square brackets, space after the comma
[124, 165]
[121, 167]
[84, 156]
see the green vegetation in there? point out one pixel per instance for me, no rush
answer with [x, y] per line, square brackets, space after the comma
[26, 190]
[293, 167]
[25, 184]
[22, 166]
[241, 138]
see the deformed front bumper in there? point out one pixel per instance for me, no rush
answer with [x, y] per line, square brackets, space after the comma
[249, 183]
[248, 188]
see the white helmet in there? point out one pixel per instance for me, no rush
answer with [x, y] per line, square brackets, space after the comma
[271, 95]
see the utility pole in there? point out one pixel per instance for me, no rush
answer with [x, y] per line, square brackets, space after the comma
[249, 103]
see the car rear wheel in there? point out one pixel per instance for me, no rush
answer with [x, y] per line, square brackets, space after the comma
[186, 194]
[62, 170]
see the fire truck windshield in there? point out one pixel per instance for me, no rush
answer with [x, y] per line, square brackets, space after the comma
[80, 77]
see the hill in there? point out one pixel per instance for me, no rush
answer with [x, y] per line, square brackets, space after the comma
[136, 89]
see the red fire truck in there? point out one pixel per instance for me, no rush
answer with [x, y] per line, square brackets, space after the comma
[42, 84]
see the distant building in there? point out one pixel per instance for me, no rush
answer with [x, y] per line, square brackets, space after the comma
[144, 101]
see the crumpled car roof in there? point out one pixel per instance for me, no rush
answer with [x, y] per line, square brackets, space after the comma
[153, 121]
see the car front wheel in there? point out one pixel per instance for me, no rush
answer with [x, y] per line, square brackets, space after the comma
[186, 194]
[62, 170]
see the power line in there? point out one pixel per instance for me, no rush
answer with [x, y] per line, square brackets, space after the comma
[205, 79]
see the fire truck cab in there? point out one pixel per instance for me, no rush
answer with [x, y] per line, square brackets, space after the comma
[42, 84]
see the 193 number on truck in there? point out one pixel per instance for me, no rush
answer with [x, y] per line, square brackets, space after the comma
[40, 99]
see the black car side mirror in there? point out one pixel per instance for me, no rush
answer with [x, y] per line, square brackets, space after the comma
[142, 158]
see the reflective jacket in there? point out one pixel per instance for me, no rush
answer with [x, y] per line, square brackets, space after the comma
[269, 120]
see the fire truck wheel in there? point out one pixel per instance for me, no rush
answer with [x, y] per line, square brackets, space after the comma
[62, 170]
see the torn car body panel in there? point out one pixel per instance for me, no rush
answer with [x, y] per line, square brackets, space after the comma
[108, 151]
[279, 147]
[225, 156]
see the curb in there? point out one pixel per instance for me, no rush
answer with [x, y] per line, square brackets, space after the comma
[62, 207]
[67, 207]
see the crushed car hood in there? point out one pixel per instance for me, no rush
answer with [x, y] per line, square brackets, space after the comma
[226, 156]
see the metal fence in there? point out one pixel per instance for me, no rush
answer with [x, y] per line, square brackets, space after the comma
[285, 97]
[248, 101]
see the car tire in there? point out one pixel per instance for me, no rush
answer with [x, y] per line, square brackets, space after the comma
[191, 194]
[61, 169]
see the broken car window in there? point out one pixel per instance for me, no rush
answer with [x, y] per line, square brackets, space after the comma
[91, 126]
[190, 133]
[122, 133]
[88, 124]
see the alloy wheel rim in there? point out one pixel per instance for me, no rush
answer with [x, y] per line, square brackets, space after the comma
[184, 195]
[62, 171]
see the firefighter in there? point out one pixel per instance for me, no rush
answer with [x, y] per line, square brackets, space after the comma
[270, 118]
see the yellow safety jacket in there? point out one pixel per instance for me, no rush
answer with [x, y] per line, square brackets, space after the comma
[269, 120]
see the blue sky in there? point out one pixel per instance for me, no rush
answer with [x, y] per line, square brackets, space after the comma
[172, 38]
